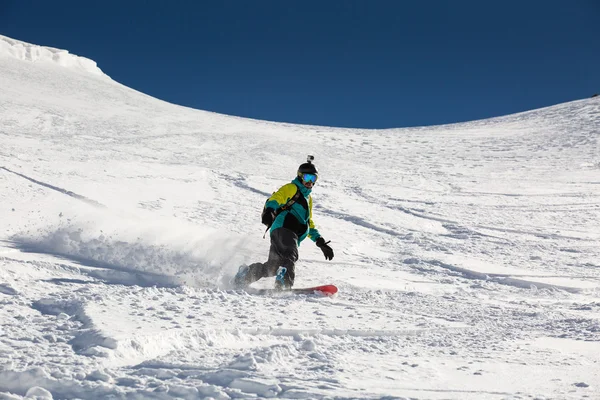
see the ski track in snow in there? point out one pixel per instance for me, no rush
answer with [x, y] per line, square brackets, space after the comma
[466, 254]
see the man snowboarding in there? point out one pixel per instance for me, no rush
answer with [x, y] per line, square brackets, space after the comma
[288, 214]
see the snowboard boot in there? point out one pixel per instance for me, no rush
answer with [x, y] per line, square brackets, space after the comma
[241, 278]
[281, 280]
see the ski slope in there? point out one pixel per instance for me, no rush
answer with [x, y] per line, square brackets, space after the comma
[467, 255]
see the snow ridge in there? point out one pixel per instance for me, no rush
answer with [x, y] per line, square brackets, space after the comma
[33, 53]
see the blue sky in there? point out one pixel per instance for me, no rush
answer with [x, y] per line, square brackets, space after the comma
[363, 64]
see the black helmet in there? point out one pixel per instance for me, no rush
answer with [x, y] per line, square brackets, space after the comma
[307, 168]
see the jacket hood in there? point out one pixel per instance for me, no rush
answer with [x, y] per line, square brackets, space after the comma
[303, 189]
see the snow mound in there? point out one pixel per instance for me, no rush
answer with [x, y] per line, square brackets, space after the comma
[34, 53]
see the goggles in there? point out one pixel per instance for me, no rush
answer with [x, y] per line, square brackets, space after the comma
[309, 178]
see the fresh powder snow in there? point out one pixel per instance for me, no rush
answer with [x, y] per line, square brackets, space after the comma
[467, 256]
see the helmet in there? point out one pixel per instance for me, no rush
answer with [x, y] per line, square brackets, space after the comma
[307, 168]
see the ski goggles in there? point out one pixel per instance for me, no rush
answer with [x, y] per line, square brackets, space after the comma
[309, 178]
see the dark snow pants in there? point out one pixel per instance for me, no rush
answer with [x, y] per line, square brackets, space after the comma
[283, 253]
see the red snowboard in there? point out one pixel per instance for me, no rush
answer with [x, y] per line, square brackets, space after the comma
[325, 290]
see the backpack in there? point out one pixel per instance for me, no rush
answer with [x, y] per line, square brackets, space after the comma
[285, 207]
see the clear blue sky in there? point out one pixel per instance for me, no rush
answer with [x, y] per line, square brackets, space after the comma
[370, 63]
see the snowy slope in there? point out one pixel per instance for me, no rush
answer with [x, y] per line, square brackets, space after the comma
[467, 255]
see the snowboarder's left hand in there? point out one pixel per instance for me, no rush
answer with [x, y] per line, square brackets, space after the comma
[325, 248]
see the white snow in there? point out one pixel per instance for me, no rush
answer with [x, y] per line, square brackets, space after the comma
[30, 52]
[466, 255]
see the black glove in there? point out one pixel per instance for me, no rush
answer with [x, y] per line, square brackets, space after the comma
[268, 216]
[327, 251]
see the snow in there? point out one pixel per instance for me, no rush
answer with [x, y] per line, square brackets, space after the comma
[30, 52]
[466, 255]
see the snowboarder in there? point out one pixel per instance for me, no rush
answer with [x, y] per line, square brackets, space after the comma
[288, 215]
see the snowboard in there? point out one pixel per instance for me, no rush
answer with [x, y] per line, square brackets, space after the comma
[325, 290]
